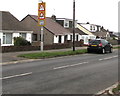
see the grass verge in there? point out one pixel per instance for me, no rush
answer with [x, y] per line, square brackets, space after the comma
[117, 89]
[43, 55]
[118, 47]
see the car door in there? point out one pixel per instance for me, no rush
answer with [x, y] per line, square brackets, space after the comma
[107, 45]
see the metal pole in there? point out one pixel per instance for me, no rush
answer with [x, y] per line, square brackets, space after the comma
[41, 45]
[41, 38]
[73, 25]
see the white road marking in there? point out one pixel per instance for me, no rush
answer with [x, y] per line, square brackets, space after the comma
[8, 77]
[108, 58]
[61, 67]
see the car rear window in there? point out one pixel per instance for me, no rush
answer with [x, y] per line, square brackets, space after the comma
[96, 42]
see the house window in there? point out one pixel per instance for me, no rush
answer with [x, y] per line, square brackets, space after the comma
[34, 37]
[91, 28]
[66, 24]
[70, 24]
[23, 35]
[94, 28]
[7, 38]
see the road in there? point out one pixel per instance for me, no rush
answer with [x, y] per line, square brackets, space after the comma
[79, 74]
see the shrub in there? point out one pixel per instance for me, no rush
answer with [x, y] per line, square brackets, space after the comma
[19, 41]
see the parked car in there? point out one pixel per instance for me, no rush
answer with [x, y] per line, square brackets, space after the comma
[99, 45]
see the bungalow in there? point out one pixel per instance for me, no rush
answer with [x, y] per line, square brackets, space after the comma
[53, 32]
[89, 35]
[91, 27]
[103, 35]
[10, 28]
[80, 32]
[97, 30]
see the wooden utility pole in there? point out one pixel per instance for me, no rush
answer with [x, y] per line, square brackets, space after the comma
[73, 25]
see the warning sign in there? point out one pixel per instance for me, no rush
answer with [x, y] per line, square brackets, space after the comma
[41, 6]
[41, 13]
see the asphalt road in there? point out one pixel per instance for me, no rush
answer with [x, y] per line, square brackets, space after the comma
[80, 74]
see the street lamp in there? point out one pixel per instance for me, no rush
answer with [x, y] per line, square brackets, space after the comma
[73, 25]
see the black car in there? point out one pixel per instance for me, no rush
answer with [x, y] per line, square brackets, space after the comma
[99, 45]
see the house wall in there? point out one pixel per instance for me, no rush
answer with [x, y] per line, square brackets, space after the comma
[69, 37]
[1, 34]
[15, 34]
[29, 37]
[62, 40]
[66, 23]
[80, 37]
[84, 29]
[87, 37]
[91, 27]
[56, 38]
[32, 25]
[48, 37]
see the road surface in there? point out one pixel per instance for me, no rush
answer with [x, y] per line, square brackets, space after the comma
[79, 74]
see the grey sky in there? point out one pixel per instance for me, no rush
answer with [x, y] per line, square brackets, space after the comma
[101, 12]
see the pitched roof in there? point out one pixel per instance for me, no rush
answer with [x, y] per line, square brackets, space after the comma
[84, 29]
[9, 22]
[77, 31]
[100, 34]
[52, 26]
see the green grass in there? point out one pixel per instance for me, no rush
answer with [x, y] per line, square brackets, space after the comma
[118, 47]
[117, 89]
[42, 55]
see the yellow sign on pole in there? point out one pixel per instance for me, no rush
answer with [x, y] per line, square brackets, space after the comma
[41, 13]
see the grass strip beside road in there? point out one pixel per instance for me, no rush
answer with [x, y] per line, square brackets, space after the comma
[43, 55]
[118, 47]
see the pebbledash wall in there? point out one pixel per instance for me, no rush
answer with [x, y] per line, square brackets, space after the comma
[3, 36]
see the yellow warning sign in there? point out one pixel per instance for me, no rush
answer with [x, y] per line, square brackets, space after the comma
[41, 13]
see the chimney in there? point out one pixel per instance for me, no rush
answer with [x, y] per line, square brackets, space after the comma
[53, 17]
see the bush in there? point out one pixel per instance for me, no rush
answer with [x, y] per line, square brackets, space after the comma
[19, 41]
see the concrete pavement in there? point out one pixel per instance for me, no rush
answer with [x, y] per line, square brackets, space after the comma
[11, 57]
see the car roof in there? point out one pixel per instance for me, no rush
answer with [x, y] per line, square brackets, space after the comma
[99, 39]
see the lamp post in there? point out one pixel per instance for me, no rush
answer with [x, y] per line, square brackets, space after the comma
[73, 25]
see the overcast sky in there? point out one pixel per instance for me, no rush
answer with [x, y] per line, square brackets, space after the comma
[100, 12]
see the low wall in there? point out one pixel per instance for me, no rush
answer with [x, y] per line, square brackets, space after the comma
[46, 47]
[19, 48]
[114, 42]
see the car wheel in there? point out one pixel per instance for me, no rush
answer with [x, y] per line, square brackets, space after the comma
[111, 50]
[103, 51]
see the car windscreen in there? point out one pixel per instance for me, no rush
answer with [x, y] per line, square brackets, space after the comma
[95, 42]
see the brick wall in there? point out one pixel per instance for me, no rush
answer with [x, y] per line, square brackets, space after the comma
[46, 47]
[114, 42]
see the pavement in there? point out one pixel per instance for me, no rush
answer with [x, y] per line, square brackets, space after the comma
[108, 91]
[11, 57]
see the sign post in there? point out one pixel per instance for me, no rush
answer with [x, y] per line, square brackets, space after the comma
[41, 19]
